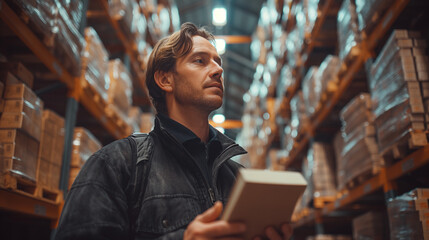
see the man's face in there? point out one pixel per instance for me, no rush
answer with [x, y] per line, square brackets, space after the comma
[198, 79]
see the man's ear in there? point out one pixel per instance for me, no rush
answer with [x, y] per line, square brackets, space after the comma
[164, 80]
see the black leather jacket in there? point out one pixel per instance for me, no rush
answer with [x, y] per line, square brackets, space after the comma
[96, 206]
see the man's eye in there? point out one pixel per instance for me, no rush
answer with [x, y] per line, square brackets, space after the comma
[198, 60]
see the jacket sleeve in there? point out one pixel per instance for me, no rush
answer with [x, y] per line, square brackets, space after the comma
[96, 205]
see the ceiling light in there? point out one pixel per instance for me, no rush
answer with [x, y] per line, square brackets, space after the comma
[219, 16]
[220, 45]
[218, 118]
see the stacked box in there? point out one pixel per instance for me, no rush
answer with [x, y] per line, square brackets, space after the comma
[17, 71]
[22, 109]
[422, 67]
[327, 74]
[43, 13]
[119, 94]
[84, 145]
[395, 89]
[370, 13]
[19, 153]
[370, 225]
[349, 36]
[408, 215]
[51, 150]
[318, 168]
[359, 154]
[95, 67]
[311, 90]
[122, 12]
[319, 80]
[69, 41]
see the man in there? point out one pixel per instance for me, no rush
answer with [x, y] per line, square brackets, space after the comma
[190, 174]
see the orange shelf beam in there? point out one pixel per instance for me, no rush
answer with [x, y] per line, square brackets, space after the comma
[27, 204]
[34, 44]
[386, 22]
[412, 162]
[317, 26]
[228, 124]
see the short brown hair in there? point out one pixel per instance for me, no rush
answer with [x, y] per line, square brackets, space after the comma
[164, 56]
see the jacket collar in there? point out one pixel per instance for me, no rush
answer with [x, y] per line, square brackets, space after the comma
[225, 141]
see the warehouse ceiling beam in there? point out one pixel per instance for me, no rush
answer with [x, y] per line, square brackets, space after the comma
[235, 39]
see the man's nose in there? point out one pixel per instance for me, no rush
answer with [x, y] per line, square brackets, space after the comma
[217, 70]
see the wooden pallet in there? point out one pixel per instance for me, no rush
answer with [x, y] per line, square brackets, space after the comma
[402, 148]
[362, 177]
[16, 183]
[320, 202]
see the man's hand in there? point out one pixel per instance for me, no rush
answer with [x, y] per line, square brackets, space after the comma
[272, 234]
[206, 226]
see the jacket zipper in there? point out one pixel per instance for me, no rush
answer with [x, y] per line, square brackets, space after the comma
[208, 186]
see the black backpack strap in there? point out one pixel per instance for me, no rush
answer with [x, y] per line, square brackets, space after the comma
[142, 148]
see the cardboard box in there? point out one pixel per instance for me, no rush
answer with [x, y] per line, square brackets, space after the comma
[21, 121]
[48, 174]
[20, 71]
[21, 91]
[52, 139]
[19, 153]
[8, 78]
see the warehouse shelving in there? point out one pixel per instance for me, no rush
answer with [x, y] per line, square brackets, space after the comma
[80, 91]
[385, 181]
[346, 75]
[74, 84]
[126, 44]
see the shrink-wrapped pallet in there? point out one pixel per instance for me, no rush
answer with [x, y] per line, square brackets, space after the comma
[306, 15]
[370, 13]
[311, 90]
[327, 74]
[286, 80]
[58, 22]
[119, 94]
[299, 116]
[95, 67]
[359, 154]
[319, 170]
[122, 12]
[408, 215]
[22, 109]
[395, 90]
[43, 16]
[51, 150]
[84, 145]
[320, 80]
[69, 41]
[19, 154]
[370, 225]
[348, 30]
[294, 46]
